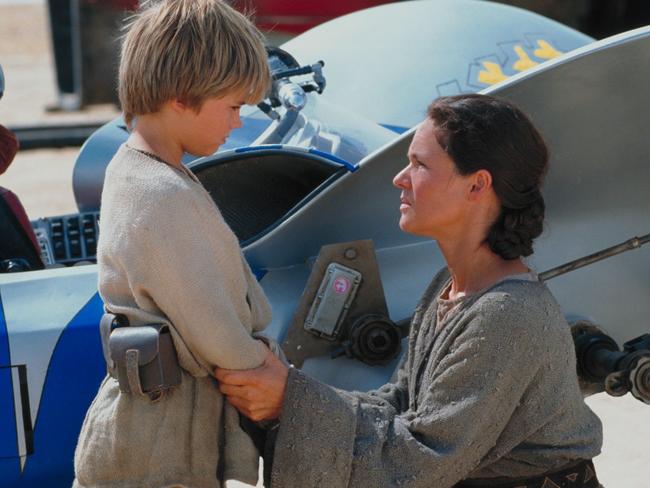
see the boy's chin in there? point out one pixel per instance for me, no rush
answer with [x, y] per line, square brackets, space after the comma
[410, 228]
[204, 152]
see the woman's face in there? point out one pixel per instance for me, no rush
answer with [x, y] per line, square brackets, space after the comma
[434, 199]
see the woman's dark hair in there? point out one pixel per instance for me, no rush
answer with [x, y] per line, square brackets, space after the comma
[483, 132]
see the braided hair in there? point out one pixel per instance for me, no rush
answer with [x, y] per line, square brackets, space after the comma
[483, 132]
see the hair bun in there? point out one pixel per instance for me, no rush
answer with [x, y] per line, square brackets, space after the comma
[512, 235]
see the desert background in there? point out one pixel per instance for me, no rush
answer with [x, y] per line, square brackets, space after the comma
[43, 180]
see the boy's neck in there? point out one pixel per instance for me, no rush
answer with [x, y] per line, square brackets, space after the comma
[152, 135]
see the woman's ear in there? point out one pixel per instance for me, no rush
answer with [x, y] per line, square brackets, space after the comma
[481, 183]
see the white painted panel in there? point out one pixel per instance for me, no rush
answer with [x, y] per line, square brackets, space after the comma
[38, 306]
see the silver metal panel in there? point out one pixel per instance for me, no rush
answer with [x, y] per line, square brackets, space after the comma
[593, 107]
[337, 291]
[389, 74]
[405, 272]
[340, 132]
[360, 205]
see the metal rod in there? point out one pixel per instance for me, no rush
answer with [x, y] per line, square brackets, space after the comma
[628, 245]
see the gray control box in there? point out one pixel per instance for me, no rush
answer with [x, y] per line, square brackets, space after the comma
[335, 295]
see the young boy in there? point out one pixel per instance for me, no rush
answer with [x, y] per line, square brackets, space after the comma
[166, 256]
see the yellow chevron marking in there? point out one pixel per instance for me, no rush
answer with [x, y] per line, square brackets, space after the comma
[524, 61]
[492, 73]
[546, 51]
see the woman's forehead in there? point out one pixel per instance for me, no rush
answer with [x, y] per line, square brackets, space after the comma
[424, 140]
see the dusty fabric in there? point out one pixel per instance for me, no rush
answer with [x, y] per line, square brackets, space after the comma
[493, 394]
[447, 306]
[166, 255]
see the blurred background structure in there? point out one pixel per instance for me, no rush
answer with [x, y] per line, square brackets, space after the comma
[84, 33]
[85, 43]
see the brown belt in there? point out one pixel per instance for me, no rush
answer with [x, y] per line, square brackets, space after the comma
[578, 475]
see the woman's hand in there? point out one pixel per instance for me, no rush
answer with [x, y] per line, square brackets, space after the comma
[257, 393]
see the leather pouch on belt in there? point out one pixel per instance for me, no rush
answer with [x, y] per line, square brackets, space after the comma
[144, 359]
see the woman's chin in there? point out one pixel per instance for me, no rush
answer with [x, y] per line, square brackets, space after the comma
[406, 225]
[410, 228]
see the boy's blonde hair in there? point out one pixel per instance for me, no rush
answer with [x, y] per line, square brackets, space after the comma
[189, 50]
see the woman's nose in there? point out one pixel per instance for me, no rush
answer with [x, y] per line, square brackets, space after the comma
[401, 179]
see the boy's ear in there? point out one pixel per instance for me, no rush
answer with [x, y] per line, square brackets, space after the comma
[480, 184]
[178, 106]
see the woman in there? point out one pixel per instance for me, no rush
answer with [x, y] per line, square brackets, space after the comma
[488, 394]
[166, 256]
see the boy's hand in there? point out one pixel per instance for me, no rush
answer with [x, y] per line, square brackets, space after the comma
[256, 393]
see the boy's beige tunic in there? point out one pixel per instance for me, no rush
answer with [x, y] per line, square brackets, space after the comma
[166, 255]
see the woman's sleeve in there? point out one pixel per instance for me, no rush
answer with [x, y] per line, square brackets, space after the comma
[194, 273]
[393, 394]
[334, 438]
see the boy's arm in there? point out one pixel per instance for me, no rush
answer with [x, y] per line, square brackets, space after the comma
[195, 274]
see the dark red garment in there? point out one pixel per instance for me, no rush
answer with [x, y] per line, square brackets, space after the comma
[114, 4]
[295, 17]
[287, 16]
[18, 211]
[8, 148]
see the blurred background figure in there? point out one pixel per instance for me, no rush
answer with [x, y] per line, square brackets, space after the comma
[19, 249]
[85, 46]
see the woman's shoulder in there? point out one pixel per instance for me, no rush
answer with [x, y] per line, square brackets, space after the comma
[526, 293]
[524, 306]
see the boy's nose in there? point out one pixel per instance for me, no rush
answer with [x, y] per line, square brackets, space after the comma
[237, 122]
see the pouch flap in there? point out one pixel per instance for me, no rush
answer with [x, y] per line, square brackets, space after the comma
[144, 339]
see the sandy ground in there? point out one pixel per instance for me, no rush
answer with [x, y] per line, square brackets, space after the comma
[43, 180]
